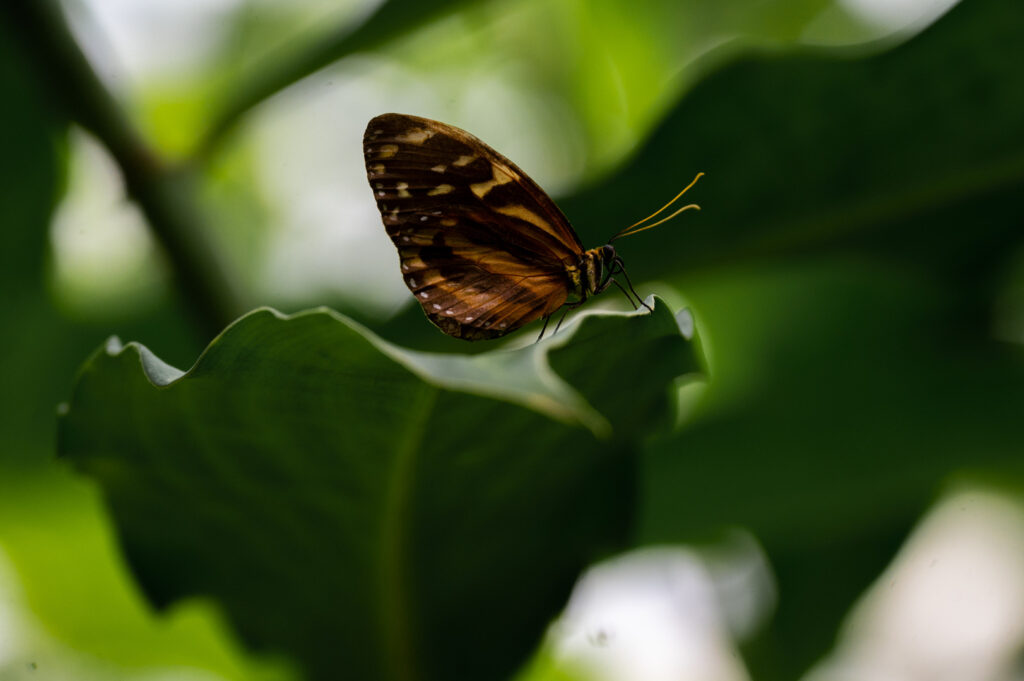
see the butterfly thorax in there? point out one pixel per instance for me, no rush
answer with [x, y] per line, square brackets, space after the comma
[590, 275]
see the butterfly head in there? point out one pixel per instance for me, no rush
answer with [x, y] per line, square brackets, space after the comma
[598, 267]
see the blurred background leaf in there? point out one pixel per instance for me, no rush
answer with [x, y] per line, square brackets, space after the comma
[69, 608]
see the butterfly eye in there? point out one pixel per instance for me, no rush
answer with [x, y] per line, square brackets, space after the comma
[608, 253]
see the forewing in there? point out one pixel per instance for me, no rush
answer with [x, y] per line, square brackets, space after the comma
[482, 247]
[439, 163]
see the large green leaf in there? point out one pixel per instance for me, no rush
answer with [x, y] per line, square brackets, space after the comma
[377, 512]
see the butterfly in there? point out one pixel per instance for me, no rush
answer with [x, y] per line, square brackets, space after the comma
[482, 247]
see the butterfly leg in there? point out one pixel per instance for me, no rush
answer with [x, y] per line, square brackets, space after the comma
[562, 318]
[611, 280]
[547, 318]
[633, 290]
[568, 308]
[624, 292]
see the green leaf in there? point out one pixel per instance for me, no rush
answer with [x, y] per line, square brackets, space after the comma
[367, 508]
[917, 151]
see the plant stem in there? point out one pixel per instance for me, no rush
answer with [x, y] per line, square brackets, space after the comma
[165, 194]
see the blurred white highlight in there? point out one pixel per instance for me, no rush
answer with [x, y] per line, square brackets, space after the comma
[10, 640]
[897, 15]
[949, 608]
[102, 247]
[130, 42]
[665, 614]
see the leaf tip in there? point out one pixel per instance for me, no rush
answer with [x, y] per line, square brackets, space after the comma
[113, 346]
[685, 322]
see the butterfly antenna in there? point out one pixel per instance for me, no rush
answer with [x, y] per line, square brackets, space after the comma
[632, 228]
[692, 206]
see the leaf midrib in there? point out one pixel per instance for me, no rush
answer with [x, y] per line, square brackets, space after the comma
[395, 617]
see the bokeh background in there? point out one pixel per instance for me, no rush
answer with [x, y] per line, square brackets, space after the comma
[840, 500]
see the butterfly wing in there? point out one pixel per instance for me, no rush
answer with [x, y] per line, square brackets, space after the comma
[482, 247]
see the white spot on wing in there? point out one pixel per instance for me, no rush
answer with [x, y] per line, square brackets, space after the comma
[440, 168]
[424, 294]
[403, 190]
[463, 161]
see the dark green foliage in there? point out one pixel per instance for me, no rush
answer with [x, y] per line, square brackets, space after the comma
[865, 213]
[913, 153]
